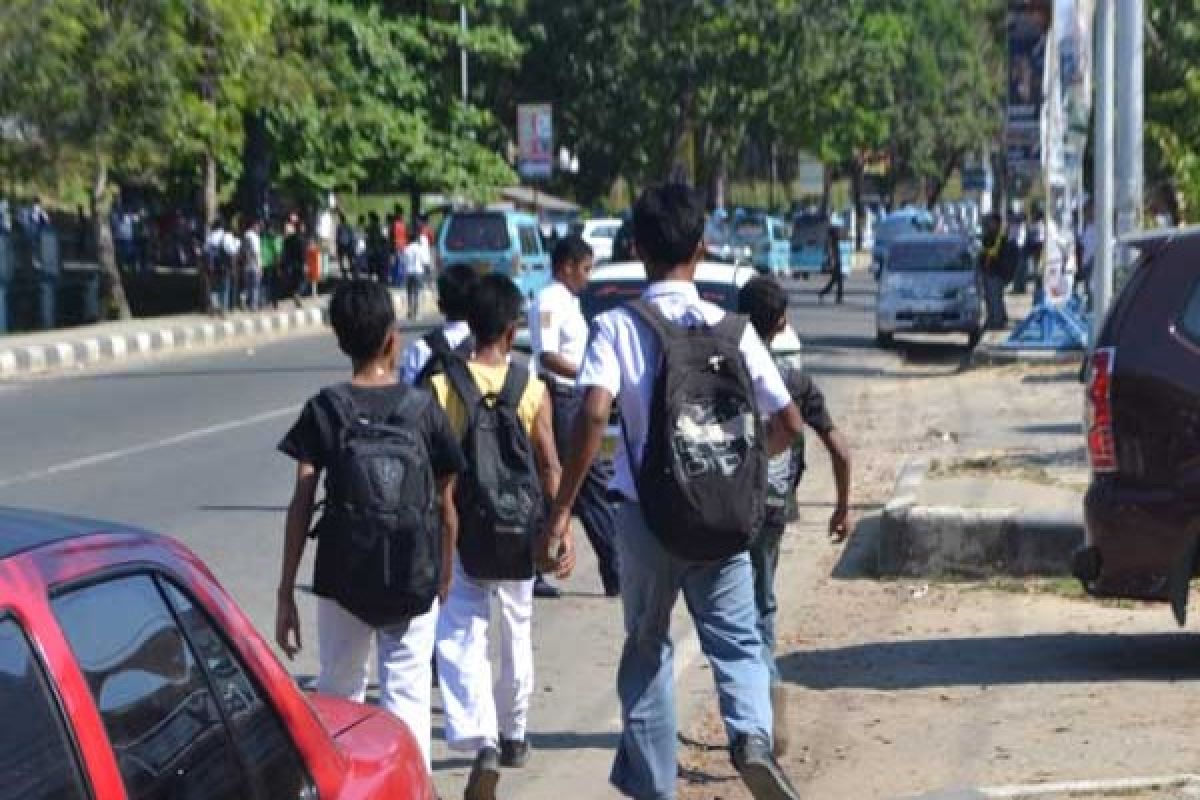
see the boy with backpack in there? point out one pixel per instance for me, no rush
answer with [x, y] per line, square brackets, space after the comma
[427, 356]
[702, 407]
[765, 302]
[503, 415]
[387, 530]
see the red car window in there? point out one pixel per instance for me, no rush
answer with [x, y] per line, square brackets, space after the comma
[274, 769]
[37, 760]
[162, 719]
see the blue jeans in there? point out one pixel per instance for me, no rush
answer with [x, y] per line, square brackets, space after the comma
[592, 506]
[220, 292]
[720, 599]
[764, 555]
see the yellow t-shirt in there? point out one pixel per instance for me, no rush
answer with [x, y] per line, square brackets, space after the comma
[489, 380]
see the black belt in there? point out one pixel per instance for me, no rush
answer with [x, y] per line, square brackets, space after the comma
[557, 388]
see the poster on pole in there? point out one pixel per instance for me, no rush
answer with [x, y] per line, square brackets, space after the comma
[1028, 30]
[535, 141]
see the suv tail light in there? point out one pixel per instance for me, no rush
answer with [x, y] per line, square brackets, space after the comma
[1102, 446]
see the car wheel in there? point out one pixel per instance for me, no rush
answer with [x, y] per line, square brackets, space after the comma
[974, 338]
[885, 340]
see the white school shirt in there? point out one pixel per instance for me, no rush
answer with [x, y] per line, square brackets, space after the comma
[414, 260]
[622, 357]
[417, 354]
[557, 325]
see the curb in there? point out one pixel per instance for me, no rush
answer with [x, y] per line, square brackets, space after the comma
[957, 542]
[993, 355]
[153, 339]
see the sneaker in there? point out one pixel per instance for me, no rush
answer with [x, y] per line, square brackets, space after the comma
[760, 771]
[514, 753]
[485, 774]
[779, 712]
[545, 589]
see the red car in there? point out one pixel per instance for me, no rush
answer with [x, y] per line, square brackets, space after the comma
[126, 671]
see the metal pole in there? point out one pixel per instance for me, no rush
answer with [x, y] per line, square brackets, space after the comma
[462, 21]
[1103, 179]
[1130, 111]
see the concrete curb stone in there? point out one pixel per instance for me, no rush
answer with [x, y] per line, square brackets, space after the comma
[957, 542]
[106, 348]
[993, 355]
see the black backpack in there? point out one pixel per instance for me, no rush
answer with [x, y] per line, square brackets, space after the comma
[440, 353]
[379, 547]
[702, 478]
[499, 497]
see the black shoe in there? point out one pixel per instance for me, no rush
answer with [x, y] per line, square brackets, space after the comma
[514, 753]
[485, 774]
[760, 771]
[545, 589]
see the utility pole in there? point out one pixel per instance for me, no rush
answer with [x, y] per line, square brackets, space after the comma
[1102, 272]
[462, 22]
[1130, 36]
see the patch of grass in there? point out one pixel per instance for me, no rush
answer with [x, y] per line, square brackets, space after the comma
[1065, 587]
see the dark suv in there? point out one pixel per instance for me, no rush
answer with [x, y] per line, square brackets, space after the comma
[1142, 510]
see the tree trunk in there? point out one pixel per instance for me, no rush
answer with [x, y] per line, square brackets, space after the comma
[856, 189]
[210, 191]
[113, 291]
[674, 168]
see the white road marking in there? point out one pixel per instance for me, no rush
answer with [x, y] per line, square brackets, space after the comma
[146, 447]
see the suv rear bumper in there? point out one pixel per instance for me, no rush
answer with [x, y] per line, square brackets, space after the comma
[1139, 545]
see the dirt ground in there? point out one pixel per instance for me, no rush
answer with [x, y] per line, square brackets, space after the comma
[907, 689]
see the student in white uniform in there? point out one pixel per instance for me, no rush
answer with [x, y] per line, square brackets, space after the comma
[456, 288]
[621, 363]
[559, 332]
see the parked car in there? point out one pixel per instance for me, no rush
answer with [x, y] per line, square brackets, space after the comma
[929, 284]
[809, 242]
[719, 244]
[766, 239]
[507, 242]
[904, 222]
[600, 233]
[615, 284]
[1143, 431]
[133, 674]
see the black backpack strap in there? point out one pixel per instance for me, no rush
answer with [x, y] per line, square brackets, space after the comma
[342, 402]
[515, 383]
[437, 342]
[463, 384]
[648, 313]
[409, 405]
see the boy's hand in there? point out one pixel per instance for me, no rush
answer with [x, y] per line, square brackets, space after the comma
[556, 547]
[839, 524]
[287, 624]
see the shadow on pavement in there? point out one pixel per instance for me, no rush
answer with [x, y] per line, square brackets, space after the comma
[574, 740]
[997, 661]
[1053, 429]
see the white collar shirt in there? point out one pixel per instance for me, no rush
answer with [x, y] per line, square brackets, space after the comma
[417, 354]
[622, 357]
[557, 325]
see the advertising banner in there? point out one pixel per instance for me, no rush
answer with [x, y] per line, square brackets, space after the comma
[535, 141]
[1028, 29]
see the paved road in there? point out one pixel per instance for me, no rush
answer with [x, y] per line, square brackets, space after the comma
[186, 447]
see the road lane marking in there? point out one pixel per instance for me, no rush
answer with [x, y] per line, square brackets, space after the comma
[146, 447]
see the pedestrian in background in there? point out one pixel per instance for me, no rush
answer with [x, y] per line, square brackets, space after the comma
[486, 718]
[626, 358]
[272, 256]
[1035, 244]
[765, 302]
[367, 592]
[417, 264]
[998, 264]
[558, 332]
[217, 269]
[294, 248]
[252, 266]
[398, 232]
[345, 246]
[231, 244]
[833, 258]
[378, 251]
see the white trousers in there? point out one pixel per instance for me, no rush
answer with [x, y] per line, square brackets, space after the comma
[477, 713]
[405, 655]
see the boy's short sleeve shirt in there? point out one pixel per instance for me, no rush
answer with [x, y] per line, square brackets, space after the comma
[622, 358]
[314, 436]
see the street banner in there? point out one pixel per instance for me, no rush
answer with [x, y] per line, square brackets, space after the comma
[535, 141]
[1028, 28]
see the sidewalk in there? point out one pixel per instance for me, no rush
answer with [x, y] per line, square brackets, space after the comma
[26, 354]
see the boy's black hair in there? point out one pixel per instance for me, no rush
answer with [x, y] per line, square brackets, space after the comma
[668, 223]
[570, 250]
[496, 308]
[362, 315]
[456, 291]
[765, 301]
